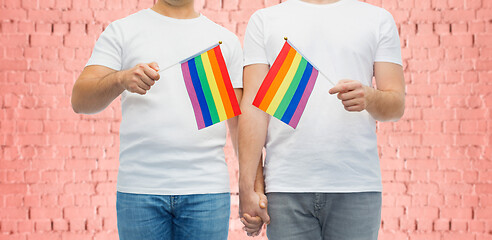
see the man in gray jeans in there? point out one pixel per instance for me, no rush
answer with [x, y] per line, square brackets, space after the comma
[323, 179]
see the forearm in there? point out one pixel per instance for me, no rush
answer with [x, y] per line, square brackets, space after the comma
[260, 181]
[252, 133]
[386, 105]
[92, 94]
[233, 122]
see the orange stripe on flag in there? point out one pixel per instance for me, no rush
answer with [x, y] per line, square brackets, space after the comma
[220, 84]
[278, 80]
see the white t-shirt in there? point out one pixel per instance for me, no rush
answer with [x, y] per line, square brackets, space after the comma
[332, 150]
[161, 149]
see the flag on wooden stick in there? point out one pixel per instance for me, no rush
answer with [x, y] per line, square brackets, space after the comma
[285, 90]
[209, 87]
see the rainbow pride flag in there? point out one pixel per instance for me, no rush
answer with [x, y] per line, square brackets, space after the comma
[209, 87]
[286, 88]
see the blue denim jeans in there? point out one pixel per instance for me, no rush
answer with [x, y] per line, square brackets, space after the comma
[324, 216]
[173, 217]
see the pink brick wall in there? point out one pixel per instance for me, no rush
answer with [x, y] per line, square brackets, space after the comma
[58, 169]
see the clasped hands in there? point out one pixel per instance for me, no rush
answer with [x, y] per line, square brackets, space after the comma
[253, 212]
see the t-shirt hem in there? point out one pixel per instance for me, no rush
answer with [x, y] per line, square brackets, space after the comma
[391, 60]
[326, 190]
[114, 67]
[172, 191]
[254, 61]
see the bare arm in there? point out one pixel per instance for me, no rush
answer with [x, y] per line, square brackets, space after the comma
[253, 125]
[232, 122]
[97, 86]
[386, 103]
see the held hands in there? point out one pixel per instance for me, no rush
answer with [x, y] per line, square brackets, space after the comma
[354, 95]
[140, 78]
[253, 212]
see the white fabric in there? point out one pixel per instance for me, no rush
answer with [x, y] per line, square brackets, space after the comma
[331, 150]
[161, 149]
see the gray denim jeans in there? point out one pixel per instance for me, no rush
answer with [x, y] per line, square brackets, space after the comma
[324, 216]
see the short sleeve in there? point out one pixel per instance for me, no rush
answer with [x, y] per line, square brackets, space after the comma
[388, 49]
[108, 49]
[254, 42]
[235, 64]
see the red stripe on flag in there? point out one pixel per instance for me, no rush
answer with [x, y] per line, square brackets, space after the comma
[227, 81]
[271, 74]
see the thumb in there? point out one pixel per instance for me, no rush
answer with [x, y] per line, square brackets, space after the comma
[154, 66]
[264, 216]
[263, 201]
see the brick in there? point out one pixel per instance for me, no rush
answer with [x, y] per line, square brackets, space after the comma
[442, 225]
[77, 225]
[458, 236]
[45, 235]
[45, 213]
[105, 188]
[80, 188]
[13, 201]
[42, 225]
[408, 224]
[423, 212]
[457, 41]
[13, 65]
[456, 213]
[46, 188]
[424, 224]
[94, 225]
[422, 188]
[456, 15]
[13, 188]
[232, 4]
[423, 41]
[25, 226]
[79, 213]
[426, 236]
[13, 14]
[48, 16]
[394, 188]
[14, 214]
[60, 225]
[76, 15]
[459, 225]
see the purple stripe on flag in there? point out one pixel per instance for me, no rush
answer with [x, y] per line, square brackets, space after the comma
[192, 93]
[304, 99]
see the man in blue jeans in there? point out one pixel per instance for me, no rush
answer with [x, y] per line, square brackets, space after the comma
[173, 181]
[323, 179]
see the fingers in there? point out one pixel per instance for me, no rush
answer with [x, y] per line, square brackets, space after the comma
[345, 86]
[154, 66]
[251, 222]
[142, 77]
[264, 216]
[151, 70]
[252, 225]
[263, 201]
[353, 94]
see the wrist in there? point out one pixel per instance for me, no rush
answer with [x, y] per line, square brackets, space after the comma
[246, 187]
[118, 79]
[369, 96]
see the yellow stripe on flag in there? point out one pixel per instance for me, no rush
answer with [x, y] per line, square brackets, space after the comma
[284, 86]
[213, 87]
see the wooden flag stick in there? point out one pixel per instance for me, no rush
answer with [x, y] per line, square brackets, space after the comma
[186, 59]
[319, 70]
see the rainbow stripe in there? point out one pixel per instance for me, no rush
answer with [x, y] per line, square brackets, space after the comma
[286, 88]
[209, 87]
